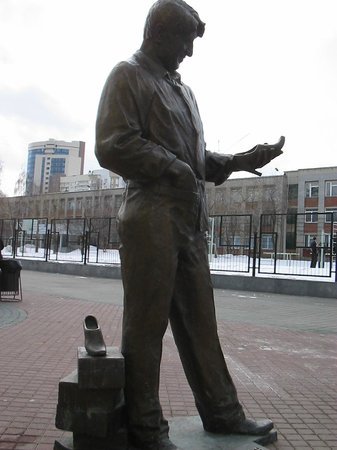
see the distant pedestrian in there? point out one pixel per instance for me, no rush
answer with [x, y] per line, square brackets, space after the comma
[314, 252]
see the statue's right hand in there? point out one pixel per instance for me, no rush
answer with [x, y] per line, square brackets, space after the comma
[181, 175]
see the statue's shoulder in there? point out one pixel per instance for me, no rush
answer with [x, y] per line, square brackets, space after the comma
[123, 68]
[128, 70]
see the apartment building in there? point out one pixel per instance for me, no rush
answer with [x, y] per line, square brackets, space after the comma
[49, 160]
[308, 194]
[312, 193]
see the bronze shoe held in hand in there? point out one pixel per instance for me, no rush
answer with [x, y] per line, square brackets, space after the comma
[93, 338]
[258, 156]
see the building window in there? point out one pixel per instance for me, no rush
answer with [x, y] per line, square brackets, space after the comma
[107, 202]
[267, 242]
[252, 194]
[332, 213]
[311, 189]
[307, 239]
[70, 204]
[88, 203]
[331, 188]
[118, 202]
[327, 240]
[293, 191]
[220, 196]
[320, 243]
[311, 215]
[292, 216]
[236, 195]
[58, 165]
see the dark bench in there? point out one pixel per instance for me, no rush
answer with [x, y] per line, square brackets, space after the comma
[10, 280]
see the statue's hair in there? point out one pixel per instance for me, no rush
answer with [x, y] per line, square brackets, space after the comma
[175, 15]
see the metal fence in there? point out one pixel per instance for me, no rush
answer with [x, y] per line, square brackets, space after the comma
[102, 241]
[230, 243]
[285, 239]
[281, 246]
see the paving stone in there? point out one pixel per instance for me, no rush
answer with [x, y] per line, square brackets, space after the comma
[296, 376]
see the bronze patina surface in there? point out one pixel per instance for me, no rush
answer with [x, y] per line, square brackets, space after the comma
[150, 132]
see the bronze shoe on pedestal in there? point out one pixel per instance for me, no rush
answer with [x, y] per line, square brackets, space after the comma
[93, 338]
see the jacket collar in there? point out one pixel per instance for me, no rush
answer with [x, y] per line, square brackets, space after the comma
[154, 67]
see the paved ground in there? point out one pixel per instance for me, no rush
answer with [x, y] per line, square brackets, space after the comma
[281, 351]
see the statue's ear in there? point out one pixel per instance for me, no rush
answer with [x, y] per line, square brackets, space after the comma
[158, 33]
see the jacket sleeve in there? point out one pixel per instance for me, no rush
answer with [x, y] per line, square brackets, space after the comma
[218, 167]
[121, 144]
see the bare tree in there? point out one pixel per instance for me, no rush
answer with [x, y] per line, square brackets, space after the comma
[2, 194]
[20, 184]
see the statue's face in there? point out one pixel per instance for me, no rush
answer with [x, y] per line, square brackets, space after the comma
[174, 47]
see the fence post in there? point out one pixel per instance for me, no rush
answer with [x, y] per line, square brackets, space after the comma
[254, 253]
[86, 249]
[14, 242]
[48, 243]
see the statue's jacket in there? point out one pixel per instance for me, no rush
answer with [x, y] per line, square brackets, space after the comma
[146, 119]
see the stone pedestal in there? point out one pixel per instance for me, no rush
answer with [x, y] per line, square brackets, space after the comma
[187, 433]
[97, 372]
[91, 403]
[91, 406]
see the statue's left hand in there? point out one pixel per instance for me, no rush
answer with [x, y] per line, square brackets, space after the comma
[258, 156]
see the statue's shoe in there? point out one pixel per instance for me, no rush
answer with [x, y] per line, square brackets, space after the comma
[245, 426]
[250, 426]
[93, 338]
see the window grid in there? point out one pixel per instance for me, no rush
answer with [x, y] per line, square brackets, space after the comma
[331, 188]
[311, 189]
[311, 215]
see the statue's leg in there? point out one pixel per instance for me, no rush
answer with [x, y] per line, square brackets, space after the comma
[149, 261]
[194, 327]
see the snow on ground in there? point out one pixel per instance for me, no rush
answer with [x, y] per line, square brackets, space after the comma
[235, 264]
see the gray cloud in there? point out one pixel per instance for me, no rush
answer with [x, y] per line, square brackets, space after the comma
[34, 106]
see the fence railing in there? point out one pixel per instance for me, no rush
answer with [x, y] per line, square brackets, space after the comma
[285, 241]
[281, 246]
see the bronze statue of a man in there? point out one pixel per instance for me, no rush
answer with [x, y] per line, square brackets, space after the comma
[149, 131]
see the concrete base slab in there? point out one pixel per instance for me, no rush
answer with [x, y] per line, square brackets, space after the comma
[64, 444]
[187, 433]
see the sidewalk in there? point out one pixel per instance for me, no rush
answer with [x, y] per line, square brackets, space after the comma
[281, 351]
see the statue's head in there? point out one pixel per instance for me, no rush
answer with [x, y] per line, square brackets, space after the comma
[171, 26]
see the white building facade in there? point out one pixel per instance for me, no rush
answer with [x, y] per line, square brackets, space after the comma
[79, 183]
[93, 180]
[49, 160]
[109, 179]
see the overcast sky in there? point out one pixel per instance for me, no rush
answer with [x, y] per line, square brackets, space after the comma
[264, 68]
